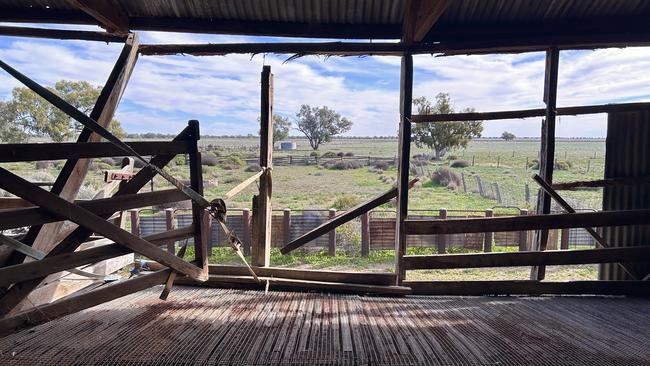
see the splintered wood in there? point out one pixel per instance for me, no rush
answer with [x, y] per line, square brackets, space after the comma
[218, 326]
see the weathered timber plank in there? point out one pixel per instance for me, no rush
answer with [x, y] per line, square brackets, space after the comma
[14, 218]
[551, 257]
[341, 219]
[535, 222]
[529, 287]
[79, 150]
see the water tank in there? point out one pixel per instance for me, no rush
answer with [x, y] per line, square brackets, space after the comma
[287, 145]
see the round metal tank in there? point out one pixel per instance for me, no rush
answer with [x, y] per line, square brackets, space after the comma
[288, 145]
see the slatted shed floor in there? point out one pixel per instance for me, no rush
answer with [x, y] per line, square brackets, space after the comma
[217, 326]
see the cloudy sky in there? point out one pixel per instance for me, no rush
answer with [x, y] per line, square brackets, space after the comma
[223, 92]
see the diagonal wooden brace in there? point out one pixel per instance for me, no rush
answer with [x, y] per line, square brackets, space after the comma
[566, 207]
[51, 202]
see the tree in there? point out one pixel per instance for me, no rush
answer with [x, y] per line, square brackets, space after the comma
[508, 136]
[281, 127]
[27, 114]
[320, 124]
[443, 136]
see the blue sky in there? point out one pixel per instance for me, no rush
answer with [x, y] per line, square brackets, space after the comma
[223, 92]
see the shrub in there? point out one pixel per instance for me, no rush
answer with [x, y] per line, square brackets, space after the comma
[343, 164]
[232, 162]
[45, 164]
[252, 168]
[460, 164]
[109, 161]
[349, 153]
[329, 154]
[383, 165]
[85, 193]
[452, 157]
[345, 202]
[340, 154]
[445, 177]
[41, 177]
[562, 165]
[314, 154]
[209, 160]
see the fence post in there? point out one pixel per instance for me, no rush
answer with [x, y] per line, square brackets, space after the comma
[365, 234]
[442, 238]
[169, 224]
[497, 191]
[331, 251]
[480, 185]
[246, 227]
[290, 159]
[135, 222]
[499, 161]
[588, 165]
[489, 237]
[462, 176]
[526, 166]
[286, 225]
[473, 156]
[527, 193]
[523, 235]
[564, 239]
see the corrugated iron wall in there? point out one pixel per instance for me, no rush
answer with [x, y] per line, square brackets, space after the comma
[627, 155]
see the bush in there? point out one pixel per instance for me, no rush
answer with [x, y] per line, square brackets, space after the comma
[232, 162]
[41, 177]
[329, 154]
[562, 165]
[252, 168]
[460, 164]
[445, 177]
[349, 154]
[382, 165]
[340, 154]
[314, 154]
[109, 161]
[345, 202]
[452, 157]
[45, 164]
[86, 193]
[209, 160]
[343, 164]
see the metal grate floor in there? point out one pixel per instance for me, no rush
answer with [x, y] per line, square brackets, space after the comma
[234, 327]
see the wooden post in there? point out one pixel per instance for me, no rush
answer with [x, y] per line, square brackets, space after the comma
[523, 235]
[246, 227]
[527, 193]
[404, 151]
[547, 151]
[331, 249]
[489, 237]
[499, 161]
[497, 192]
[479, 183]
[473, 157]
[365, 234]
[169, 224]
[261, 251]
[206, 234]
[135, 222]
[564, 239]
[286, 225]
[196, 182]
[442, 238]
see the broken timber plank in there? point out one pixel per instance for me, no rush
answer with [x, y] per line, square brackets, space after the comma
[341, 219]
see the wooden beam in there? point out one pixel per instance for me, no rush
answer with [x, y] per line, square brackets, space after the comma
[70, 243]
[529, 287]
[261, 247]
[110, 14]
[74, 303]
[275, 283]
[316, 48]
[547, 150]
[38, 196]
[404, 163]
[201, 235]
[609, 182]
[419, 17]
[241, 186]
[10, 219]
[529, 113]
[53, 264]
[535, 222]
[60, 34]
[79, 150]
[172, 276]
[550, 258]
[341, 219]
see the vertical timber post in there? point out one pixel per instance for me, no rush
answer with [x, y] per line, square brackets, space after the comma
[286, 225]
[196, 182]
[169, 225]
[331, 247]
[404, 151]
[489, 237]
[547, 151]
[261, 251]
[365, 234]
[135, 222]
[523, 235]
